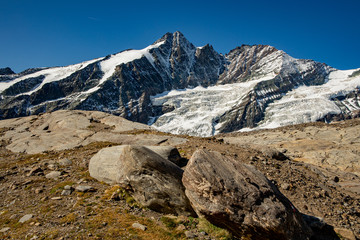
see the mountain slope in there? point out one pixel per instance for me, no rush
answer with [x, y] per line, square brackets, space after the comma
[180, 88]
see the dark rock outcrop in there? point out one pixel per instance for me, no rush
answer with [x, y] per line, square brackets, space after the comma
[153, 181]
[6, 71]
[240, 198]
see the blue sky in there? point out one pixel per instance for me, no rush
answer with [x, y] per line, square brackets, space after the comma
[58, 33]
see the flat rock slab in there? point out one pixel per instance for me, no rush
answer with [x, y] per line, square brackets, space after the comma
[5, 229]
[84, 188]
[139, 226]
[65, 162]
[153, 181]
[53, 174]
[25, 218]
[240, 198]
[65, 129]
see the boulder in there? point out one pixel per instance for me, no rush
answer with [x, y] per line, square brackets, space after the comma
[153, 181]
[240, 198]
[271, 153]
[170, 153]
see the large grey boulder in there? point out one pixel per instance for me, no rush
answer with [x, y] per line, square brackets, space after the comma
[240, 198]
[153, 181]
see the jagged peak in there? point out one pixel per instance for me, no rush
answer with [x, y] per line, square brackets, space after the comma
[206, 49]
[6, 71]
[246, 47]
[178, 34]
[166, 37]
[176, 38]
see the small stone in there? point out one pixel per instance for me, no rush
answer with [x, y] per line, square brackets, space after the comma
[317, 194]
[38, 190]
[285, 186]
[11, 203]
[139, 226]
[81, 181]
[56, 198]
[34, 170]
[181, 228]
[115, 196]
[51, 166]
[25, 218]
[84, 188]
[27, 182]
[190, 234]
[53, 175]
[104, 224]
[202, 233]
[325, 193]
[66, 192]
[37, 224]
[65, 162]
[68, 187]
[5, 229]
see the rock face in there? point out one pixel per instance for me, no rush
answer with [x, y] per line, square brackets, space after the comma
[240, 198]
[153, 181]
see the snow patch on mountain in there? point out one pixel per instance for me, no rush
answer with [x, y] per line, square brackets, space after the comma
[108, 66]
[310, 103]
[51, 75]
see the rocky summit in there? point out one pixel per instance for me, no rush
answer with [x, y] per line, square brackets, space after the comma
[74, 174]
[183, 89]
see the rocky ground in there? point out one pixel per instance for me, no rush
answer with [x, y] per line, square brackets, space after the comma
[50, 195]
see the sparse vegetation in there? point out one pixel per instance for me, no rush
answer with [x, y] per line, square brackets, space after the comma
[170, 223]
[212, 230]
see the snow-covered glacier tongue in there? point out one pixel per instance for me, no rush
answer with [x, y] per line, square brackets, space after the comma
[311, 103]
[196, 111]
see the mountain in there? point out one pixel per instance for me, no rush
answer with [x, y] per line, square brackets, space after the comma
[179, 88]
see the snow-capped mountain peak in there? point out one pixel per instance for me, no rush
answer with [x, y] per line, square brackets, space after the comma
[181, 88]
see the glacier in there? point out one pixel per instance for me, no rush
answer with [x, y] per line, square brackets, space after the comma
[310, 103]
[197, 110]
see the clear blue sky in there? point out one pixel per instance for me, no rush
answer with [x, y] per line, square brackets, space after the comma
[58, 33]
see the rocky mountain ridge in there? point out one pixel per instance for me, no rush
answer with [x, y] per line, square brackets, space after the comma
[131, 83]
